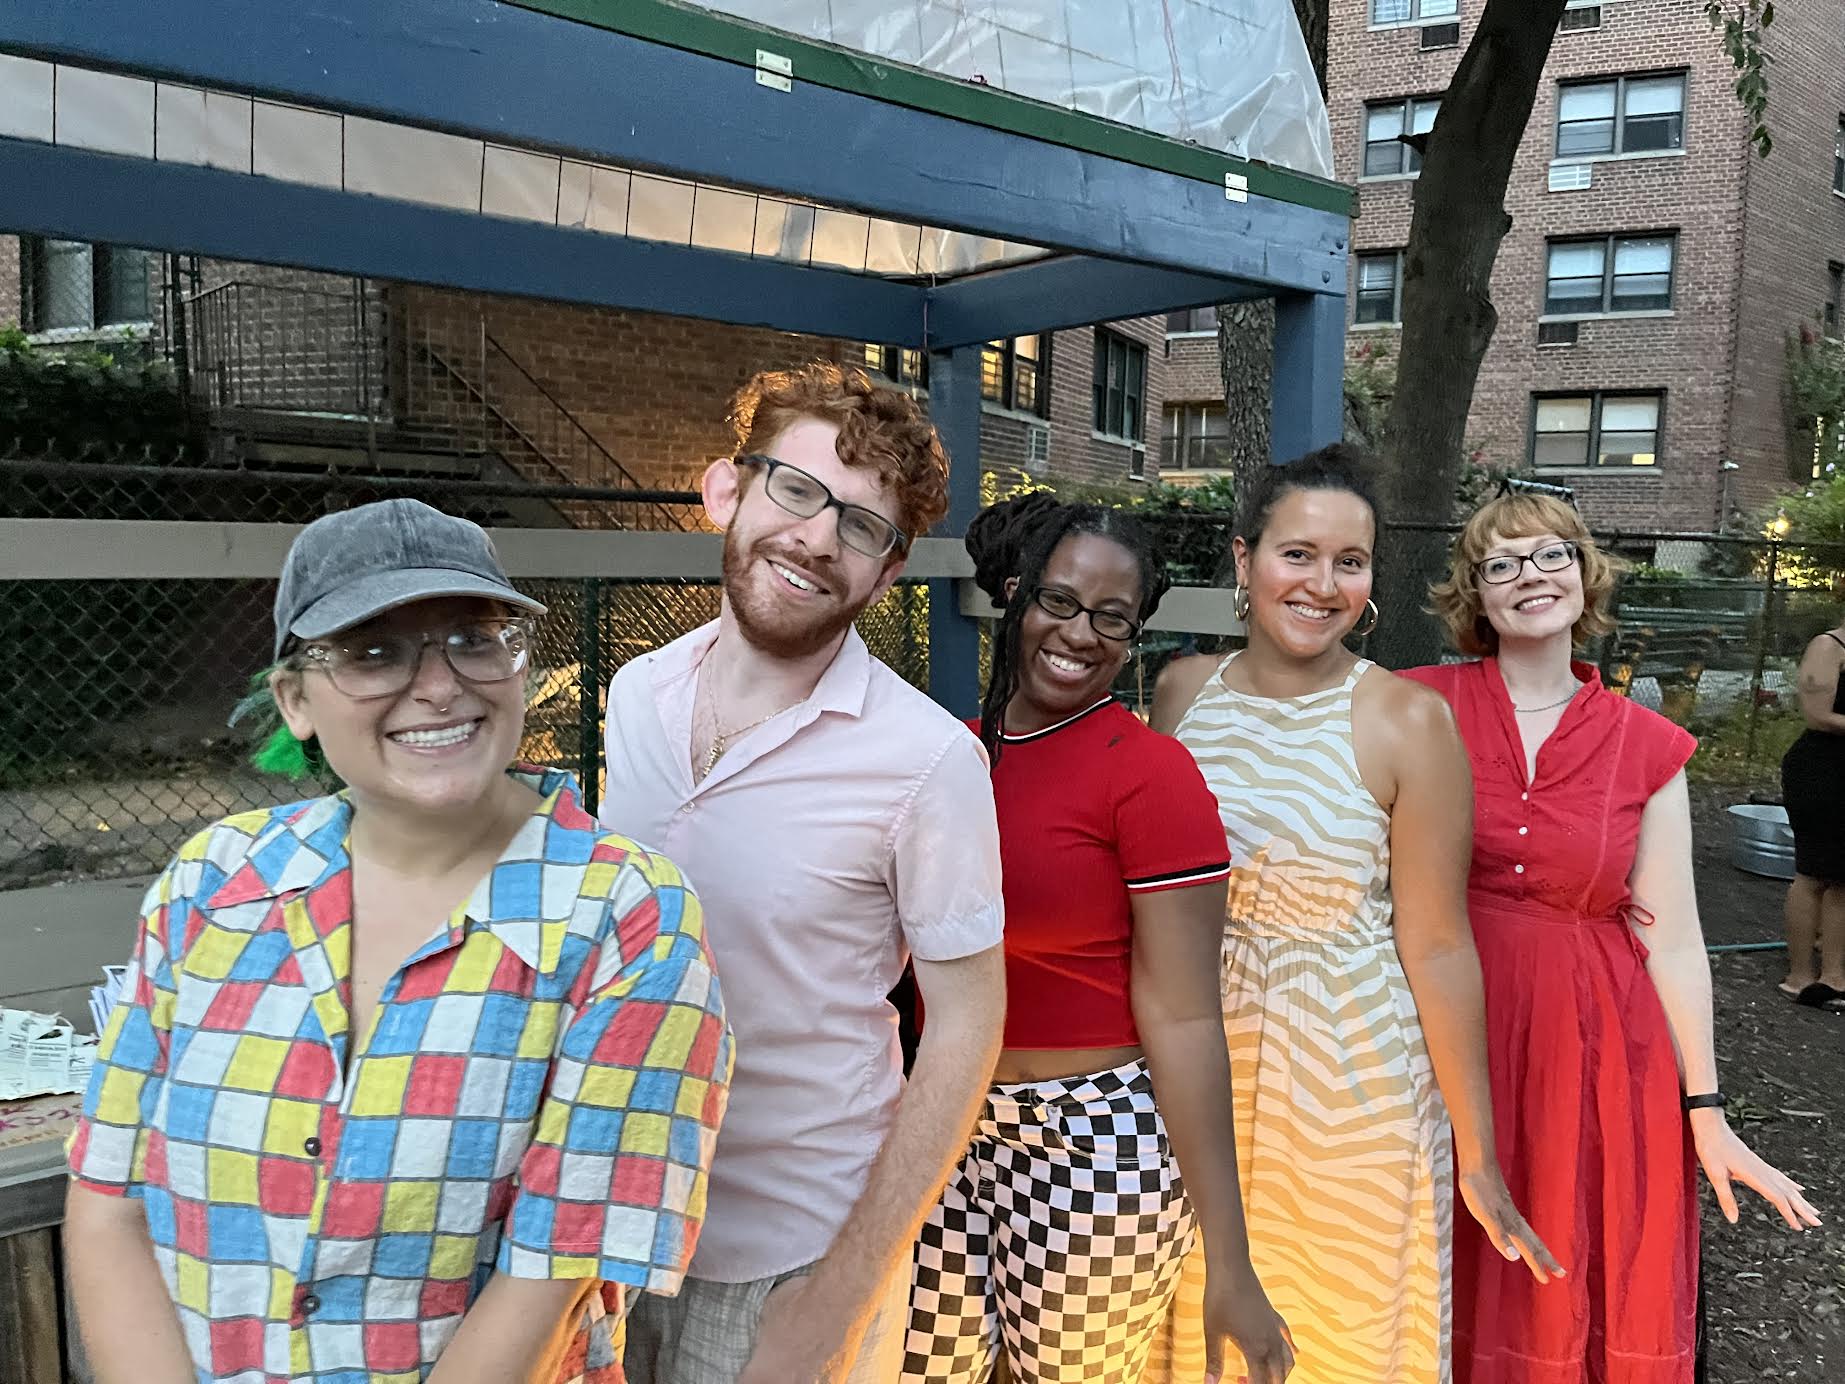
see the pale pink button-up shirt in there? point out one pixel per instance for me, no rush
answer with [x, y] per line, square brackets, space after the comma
[826, 846]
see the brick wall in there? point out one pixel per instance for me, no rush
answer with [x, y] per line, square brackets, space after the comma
[1193, 370]
[1690, 353]
[1793, 225]
[1078, 453]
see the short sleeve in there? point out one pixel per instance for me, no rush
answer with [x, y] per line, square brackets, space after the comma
[108, 1150]
[1669, 748]
[1168, 833]
[613, 1183]
[944, 857]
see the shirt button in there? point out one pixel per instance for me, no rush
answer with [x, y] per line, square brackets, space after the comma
[311, 1148]
[1524, 831]
[309, 1304]
[1518, 869]
[1524, 797]
[687, 809]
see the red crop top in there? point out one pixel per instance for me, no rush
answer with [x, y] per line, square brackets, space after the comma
[1092, 810]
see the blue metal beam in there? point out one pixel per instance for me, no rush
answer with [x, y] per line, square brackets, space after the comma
[954, 638]
[79, 195]
[1067, 291]
[1309, 400]
[495, 71]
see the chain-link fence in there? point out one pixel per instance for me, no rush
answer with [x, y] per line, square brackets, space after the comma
[115, 694]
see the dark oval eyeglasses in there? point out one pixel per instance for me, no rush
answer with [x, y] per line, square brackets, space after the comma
[1061, 605]
[1504, 567]
[382, 665]
[860, 529]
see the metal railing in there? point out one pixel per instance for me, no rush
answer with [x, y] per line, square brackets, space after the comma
[526, 425]
[287, 349]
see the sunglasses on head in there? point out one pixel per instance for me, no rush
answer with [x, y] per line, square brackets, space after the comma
[1512, 485]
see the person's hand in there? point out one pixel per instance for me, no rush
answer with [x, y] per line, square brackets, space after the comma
[1235, 1306]
[1490, 1203]
[1727, 1160]
[801, 1340]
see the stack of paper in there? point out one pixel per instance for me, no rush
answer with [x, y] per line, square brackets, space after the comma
[41, 1055]
[104, 996]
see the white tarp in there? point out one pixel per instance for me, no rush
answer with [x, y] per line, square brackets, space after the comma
[1229, 74]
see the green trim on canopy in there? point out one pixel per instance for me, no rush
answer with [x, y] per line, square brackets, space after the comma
[842, 69]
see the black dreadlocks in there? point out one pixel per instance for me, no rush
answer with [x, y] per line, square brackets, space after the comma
[1015, 538]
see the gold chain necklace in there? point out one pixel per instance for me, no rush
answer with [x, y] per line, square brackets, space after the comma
[721, 738]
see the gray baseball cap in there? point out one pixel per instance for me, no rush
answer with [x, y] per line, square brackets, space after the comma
[346, 567]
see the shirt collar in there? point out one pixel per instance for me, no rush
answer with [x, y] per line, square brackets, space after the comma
[842, 687]
[304, 848]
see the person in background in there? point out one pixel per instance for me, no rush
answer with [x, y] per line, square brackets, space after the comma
[1598, 1000]
[1813, 791]
[1058, 1240]
[399, 1073]
[836, 821]
[1351, 996]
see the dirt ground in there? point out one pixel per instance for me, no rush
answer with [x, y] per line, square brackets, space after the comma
[1775, 1300]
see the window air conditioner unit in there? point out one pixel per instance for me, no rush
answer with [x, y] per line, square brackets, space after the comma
[1037, 448]
[1557, 333]
[1440, 36]
[1571, 177]
[1579, 18]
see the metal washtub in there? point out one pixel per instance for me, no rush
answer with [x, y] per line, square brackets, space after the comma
[1761, 841]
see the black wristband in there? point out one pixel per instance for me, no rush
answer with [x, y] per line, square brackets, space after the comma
[1714, 1099]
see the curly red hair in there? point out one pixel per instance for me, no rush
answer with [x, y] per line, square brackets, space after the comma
[879, 427]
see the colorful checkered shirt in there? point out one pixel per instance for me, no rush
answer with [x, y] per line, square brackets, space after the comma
[540, 1092]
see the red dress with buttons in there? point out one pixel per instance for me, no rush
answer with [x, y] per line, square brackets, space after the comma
[1585, 1082]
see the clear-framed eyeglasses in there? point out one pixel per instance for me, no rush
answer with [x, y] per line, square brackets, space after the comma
[1501, 568]
[863, 530]
[364, 666]
[1110, 624]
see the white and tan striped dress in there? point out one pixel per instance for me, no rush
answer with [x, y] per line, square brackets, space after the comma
[1342, 1138]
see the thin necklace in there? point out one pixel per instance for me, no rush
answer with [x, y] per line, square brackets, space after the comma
[721, 738]
[1550, 706]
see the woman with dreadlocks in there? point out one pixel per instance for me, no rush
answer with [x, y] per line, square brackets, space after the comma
[1058, 1240]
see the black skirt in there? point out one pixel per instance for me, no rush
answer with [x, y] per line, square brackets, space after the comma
[1813, 790]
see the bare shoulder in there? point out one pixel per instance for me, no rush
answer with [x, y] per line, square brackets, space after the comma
[1177, 687]
[1824, 650]
[1412, 710]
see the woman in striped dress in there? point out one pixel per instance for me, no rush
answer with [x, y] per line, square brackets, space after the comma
[1352, 996]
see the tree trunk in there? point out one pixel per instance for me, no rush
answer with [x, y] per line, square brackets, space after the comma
[1246, 331]
[1448, 315]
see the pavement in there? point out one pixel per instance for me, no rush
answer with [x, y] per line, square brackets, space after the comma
[55, 940]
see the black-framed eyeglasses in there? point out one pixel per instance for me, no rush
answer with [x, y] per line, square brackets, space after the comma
[1061, 605]
[1504, 567]
[382, 665]
[860, 529]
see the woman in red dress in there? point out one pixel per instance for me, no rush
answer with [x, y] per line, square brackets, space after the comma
[1598, 1001]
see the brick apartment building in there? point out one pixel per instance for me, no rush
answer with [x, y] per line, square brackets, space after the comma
[290, 361]
[1655, 266]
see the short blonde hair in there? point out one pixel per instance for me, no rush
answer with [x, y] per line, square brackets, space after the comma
[1457, 600]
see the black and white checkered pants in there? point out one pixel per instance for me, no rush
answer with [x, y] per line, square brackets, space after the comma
[1058, 1239]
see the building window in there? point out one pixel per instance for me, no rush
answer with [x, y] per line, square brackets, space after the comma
[1014, 374]
[1387, 125]
[899, 363]
[1595, 430]
[1380, 288]
[1835, 295]
[69, 285]
[1191, 321]
[1609, 274]
[1838, 159]
[1621, 115]
[1197, 437]
[1412, 11]
[1120, 385]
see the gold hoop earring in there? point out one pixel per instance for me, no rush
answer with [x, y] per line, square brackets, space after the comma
[1376, 615]
[1239, 603]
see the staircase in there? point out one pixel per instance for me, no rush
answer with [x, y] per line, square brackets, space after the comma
[304, 378]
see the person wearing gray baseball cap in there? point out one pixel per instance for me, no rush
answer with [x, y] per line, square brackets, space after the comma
[434, 1064]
